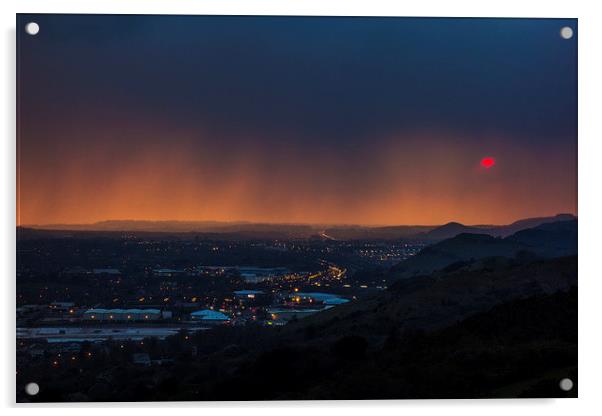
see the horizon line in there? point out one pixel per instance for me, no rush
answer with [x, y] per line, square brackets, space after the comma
[234, 222]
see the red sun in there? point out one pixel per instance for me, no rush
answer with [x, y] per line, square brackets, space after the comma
[487, 162]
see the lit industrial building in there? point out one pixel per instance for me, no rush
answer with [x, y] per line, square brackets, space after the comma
[209, 316]
[122, 314]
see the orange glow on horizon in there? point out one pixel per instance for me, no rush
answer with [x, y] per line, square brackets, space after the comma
[427, 179]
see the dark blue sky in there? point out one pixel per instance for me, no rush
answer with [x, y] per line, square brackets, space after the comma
[332, 84]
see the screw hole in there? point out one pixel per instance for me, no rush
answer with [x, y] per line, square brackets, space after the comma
[32, 389]
[566, 32]
[32, 28]
[566, 384]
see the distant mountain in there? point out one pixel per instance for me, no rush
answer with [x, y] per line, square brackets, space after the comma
[546, 240]
[506, 230]
[245, 229]
[435, 233]
[326, 232]
[451, 229]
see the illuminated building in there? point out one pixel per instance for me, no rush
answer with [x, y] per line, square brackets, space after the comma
[122, 314]
[209, 316]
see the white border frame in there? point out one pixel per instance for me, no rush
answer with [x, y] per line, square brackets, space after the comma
[590, 200]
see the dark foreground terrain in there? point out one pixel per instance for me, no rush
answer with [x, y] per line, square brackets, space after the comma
[494, 327]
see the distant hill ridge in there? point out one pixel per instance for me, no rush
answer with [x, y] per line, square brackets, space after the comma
[452, 229]
[245, 229]
[550, 239]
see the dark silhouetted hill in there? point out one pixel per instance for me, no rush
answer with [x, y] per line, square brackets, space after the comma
[450, 230]
[444, 297]
[549, 239]
[516, 226]
[546, 240]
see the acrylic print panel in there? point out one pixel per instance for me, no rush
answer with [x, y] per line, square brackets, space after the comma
[269, 208]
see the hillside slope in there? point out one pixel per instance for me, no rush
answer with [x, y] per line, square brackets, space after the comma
[432, 302]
